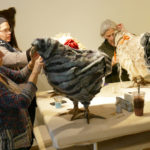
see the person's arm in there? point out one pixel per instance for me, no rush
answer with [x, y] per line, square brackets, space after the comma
[30, 87]
[14, 59]
[23, 99]
[22, 75]
[17, 76]
[36, 70]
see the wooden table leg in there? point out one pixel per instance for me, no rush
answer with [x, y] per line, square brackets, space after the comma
[95, 146]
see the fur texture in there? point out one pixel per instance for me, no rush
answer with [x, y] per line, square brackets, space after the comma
[77, 74]
[131, 54]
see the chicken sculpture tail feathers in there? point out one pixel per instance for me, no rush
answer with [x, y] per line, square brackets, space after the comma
[145, 42]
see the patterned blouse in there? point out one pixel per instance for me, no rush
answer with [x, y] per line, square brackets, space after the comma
[15, 125]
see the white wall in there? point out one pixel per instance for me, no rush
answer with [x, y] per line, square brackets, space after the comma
[81, 18]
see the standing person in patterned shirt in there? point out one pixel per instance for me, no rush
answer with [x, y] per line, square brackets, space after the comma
[15, 124]
[14, 58]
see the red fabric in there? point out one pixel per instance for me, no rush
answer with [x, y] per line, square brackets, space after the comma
[71, 43]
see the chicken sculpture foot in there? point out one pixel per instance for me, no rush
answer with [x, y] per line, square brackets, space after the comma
[89, 115]
[80, 114]
[75, 111]
[139, 81]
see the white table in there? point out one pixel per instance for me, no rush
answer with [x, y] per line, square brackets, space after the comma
[66, 133]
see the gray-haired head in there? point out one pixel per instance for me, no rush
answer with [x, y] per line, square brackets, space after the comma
[107, 24]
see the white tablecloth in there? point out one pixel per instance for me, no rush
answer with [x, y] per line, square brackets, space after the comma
[65, 133]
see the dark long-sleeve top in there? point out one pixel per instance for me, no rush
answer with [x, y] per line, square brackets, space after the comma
[107, 48]
[114, 76]
[13, 107]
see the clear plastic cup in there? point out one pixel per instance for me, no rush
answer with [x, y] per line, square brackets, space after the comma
[58, 104]
[139, 103]
[58, 100]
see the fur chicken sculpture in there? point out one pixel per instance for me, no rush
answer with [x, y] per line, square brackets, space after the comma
[131, 55]
[77, 74]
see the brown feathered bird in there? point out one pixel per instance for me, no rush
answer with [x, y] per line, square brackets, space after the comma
[77, 74]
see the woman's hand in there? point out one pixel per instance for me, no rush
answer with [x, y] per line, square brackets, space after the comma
[38, 65]
[33, 59]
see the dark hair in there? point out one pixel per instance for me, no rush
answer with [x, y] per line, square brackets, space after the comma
[9, 15]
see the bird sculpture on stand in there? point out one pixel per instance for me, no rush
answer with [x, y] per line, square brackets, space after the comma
[133, 55]
[77, 74]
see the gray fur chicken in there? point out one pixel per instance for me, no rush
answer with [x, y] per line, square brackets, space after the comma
[145, 42]
[77, 74]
